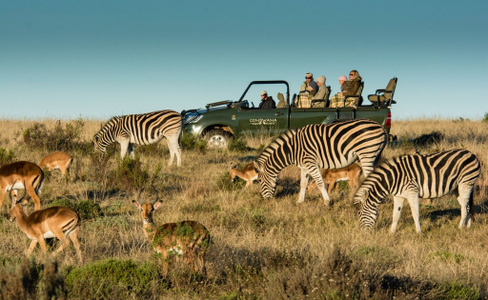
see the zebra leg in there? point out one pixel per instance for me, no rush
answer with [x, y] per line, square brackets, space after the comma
[174, 150]
[314, 172]
[130, 150]
[465, 193]
[397, 210]
[124, 146]
[303, 184]
[413, 200]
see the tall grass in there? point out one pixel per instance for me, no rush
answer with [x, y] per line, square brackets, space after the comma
[262, 249]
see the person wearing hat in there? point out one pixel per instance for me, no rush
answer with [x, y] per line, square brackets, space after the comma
[307, 90]
[322, 91]
[266, 102]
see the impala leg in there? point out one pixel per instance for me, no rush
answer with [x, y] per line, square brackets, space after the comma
[397, 210]
[32, 193]
[74, 238]
[42, 243]
[2, 196]
[31, 247]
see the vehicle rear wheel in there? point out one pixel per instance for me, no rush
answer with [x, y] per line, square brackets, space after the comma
[217, 139]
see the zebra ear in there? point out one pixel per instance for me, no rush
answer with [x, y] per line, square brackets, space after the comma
[365, 194]
[256, 167]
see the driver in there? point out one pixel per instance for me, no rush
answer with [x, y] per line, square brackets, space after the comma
[266, 102]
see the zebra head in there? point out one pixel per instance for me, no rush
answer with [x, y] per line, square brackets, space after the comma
[367, 200]
[98, 146]
[267, 182]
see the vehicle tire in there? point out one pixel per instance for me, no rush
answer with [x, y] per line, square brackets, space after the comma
[217, 139]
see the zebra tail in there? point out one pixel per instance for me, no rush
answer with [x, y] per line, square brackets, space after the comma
[470, 203]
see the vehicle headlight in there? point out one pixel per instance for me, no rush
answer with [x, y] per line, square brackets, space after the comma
[191, 117]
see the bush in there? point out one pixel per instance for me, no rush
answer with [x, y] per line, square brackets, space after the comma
[190, 142]
[130, 174]
[485, 119]
[56, 139]
[6, 157]
[86, 209]
[238, 144]
[113, 279]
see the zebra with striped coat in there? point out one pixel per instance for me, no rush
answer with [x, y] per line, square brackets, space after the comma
[419, 176]
[332, 146]
[142, 129]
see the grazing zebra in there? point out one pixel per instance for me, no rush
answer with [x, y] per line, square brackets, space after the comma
[142, 129]
[418, 176]
[332, 146]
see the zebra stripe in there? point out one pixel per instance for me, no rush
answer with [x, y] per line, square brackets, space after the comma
[332, 146]
[419, 176]
[142, 129]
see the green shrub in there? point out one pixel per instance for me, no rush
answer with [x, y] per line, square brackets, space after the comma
[190, 142]
[130, 174]
[57, 139]
[86, 209]
[238, 144]
[485, 119]
[6, 157]
[113, 279]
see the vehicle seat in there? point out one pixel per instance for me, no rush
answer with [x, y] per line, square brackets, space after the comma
[281, 103]
[322, 103]
[384, 97]
[355, 100]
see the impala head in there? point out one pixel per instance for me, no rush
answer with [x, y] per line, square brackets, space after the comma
[16, 203]
[147, 209]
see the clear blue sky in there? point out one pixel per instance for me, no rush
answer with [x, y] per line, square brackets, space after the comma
[96, 59]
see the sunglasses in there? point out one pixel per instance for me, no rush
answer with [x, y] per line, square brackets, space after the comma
[308, 77]
[352, 74]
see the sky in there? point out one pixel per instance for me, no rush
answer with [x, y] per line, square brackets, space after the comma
[96, 59]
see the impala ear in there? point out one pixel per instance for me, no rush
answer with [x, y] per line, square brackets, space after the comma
[157, 204]
[137, 204]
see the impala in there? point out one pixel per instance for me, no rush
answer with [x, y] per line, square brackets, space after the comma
[57, 160]
[22, 174]
[249, 174]
[58, 221]
[350, 174]
[185, 241]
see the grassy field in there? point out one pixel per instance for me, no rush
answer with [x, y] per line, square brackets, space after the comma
[261, 249]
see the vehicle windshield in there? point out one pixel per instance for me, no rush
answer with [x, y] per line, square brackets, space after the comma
[254, 92]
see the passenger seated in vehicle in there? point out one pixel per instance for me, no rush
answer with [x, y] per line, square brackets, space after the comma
[349, 88]
[322, 92]
[266, 102]
[307, 90]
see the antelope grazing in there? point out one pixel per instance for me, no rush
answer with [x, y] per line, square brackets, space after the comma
[57, 160]
[249, 174]
[350, 174]
[186, 240]
[58, 221]
[22, 174]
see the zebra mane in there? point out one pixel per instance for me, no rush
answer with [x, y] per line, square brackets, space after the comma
[273, 146]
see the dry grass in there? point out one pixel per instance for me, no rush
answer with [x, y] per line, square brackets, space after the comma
[261, 249]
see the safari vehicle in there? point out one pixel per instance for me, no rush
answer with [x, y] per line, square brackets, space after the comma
[220, 121]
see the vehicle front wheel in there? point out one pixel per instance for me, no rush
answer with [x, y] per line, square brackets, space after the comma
[217, 139]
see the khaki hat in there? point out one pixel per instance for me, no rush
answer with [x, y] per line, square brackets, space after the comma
[264, 93]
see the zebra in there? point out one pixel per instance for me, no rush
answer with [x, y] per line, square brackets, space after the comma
[418, 176]
[331, 146]
[142, 129]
